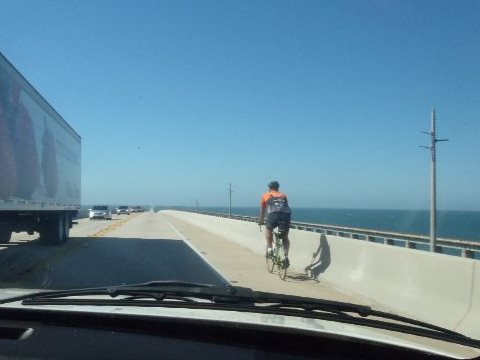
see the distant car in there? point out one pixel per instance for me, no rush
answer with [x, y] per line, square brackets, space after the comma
[137, 209]
[100, 212]
[123, 210]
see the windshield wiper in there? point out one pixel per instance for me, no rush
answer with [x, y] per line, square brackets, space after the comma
[200, 294]
[235, 298]
[224, 294]
[319, 308]
[155, 289]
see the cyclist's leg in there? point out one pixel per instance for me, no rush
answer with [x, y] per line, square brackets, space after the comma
[269, 237]
[270, 224]
[286, 240]
[286, 243]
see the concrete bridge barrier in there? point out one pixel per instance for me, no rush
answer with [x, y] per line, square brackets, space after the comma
[439, 289]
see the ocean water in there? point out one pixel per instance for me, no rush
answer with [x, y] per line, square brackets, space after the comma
[463, 225]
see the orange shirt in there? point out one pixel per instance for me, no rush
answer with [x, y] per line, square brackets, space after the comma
[275, 201]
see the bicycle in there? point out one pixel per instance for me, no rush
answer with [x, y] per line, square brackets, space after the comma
[277, 256]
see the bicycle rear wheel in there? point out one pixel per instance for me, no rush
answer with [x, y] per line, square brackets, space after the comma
[269, 260]
[282, 265]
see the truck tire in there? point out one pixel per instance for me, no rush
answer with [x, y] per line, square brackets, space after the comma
[5, 235]
[52, 230]
[66, 228]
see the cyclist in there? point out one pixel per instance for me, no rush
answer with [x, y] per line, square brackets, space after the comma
[275, 204]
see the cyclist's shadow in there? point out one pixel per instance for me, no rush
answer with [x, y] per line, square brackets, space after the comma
[319, 263]
[320, 259]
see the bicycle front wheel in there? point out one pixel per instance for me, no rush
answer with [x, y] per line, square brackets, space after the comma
[269, 259]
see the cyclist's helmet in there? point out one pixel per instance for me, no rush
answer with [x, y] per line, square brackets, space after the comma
[273, 185]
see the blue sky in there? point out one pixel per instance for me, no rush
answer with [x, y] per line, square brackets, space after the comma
[175, 99]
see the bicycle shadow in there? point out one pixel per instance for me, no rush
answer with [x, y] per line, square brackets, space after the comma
[321, 259]
[297, 277]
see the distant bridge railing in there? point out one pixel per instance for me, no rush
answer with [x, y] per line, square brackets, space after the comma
[463, 248]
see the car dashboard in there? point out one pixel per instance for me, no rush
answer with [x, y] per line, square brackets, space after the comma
[26, 334]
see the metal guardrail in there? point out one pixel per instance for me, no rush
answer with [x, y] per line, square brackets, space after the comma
[463, 248]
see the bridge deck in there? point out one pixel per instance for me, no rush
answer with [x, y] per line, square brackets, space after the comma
[173, 246]
[243, 267]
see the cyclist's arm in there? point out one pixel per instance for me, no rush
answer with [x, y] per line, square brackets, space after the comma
[263, 206]
[262, 215]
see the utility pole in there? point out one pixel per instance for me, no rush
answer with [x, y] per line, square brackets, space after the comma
[433, 189]
[230, 201]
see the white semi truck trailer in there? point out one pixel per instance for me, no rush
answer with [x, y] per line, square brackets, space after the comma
[39, 163]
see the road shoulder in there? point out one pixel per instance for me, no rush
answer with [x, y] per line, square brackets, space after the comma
[243, 267]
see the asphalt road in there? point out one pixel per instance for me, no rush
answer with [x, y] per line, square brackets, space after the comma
[128, 249]
[145, 247]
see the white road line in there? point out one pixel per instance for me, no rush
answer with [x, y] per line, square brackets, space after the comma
[185, 240]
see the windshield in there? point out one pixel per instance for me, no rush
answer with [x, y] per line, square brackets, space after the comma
[349, 127]
[100, 208]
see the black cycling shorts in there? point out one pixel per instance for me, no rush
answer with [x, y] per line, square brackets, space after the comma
[275, 218]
